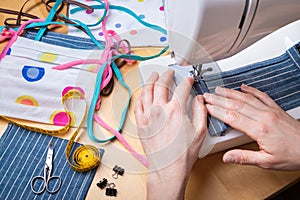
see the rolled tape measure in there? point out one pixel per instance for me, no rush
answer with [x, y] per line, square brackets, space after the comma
[85, 157]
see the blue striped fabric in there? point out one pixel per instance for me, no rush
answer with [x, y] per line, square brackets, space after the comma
[22, 156]
[64, 40]
[278, 77]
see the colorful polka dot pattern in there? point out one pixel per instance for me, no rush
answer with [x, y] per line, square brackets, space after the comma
[127, 26]
[27, 100]
[48, 57]
[67, 89]
[33, 73]
[59, 118]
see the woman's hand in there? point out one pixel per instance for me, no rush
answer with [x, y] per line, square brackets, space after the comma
[171, 140]
[258, 116]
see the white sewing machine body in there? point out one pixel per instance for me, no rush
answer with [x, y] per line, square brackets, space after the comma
[207, 31]
[201, 31]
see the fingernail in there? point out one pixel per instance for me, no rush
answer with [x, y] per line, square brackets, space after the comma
[190, 80]
[208, 106]
[171, 71]
[229, 159]
[206, 95]
[199, 99]
[219, 90]
[153, 74]
[244, 85]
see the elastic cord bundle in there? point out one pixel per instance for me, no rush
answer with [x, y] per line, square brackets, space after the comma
[106, 67]
[110, 54]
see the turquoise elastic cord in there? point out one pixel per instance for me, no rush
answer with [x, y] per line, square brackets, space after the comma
[89, 33]
[141, 58]
[128, 11]
[116, 70]
[103, 16]
[48, 19]
[2, 27]
[120, 78]
[93, 105]
[97, 92]
[45, 24]
[95, 98]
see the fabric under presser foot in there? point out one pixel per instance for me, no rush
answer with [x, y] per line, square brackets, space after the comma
[278, 77]
[215, 126]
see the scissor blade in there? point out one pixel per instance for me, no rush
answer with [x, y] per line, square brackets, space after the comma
[50, 155]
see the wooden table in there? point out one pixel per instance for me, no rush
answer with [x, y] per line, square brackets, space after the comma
[210, 177]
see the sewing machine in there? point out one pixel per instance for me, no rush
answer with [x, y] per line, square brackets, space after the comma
[203, 33]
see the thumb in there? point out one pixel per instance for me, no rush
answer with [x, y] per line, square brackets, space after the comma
[199, 115]
[244, 157]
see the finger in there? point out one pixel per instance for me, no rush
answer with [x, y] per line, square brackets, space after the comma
[139, 112]
[246, 157]
[234, 119]
[234, 94]
[232, 104]
[263, 97]
[148, 90]
[199, 116]
[182, 92]
[161, 87]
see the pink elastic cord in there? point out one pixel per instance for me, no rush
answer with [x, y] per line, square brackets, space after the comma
[122, 45]
[15, 36]
[110, 36]
[109, 44]
[6, 34]
[142, 159]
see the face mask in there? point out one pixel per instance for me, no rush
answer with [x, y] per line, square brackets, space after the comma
[32, 90]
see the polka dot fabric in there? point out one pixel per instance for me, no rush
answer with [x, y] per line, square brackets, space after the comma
[38, 98]
[151, 11]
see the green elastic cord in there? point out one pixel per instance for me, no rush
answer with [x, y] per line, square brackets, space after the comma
[2, 27]
[95, 98]
[141, 58]
[86, 28]
[45, 24]
[93, 106]
[103, 16]
[97, 92]
[116, 70]
[48, 19]
[126, 10]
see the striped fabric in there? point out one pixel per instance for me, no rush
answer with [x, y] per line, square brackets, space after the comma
[278, 77]
[22, 156]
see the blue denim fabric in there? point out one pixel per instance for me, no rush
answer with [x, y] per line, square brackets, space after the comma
[63, 40]
[278, 77]
[23, 155]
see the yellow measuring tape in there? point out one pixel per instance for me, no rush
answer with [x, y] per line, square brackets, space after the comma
[85, 157]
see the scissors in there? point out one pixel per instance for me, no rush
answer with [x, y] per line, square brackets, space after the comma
[47, 178]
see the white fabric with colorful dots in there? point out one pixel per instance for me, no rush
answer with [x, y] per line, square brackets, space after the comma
[32, 90]
[151, 11]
